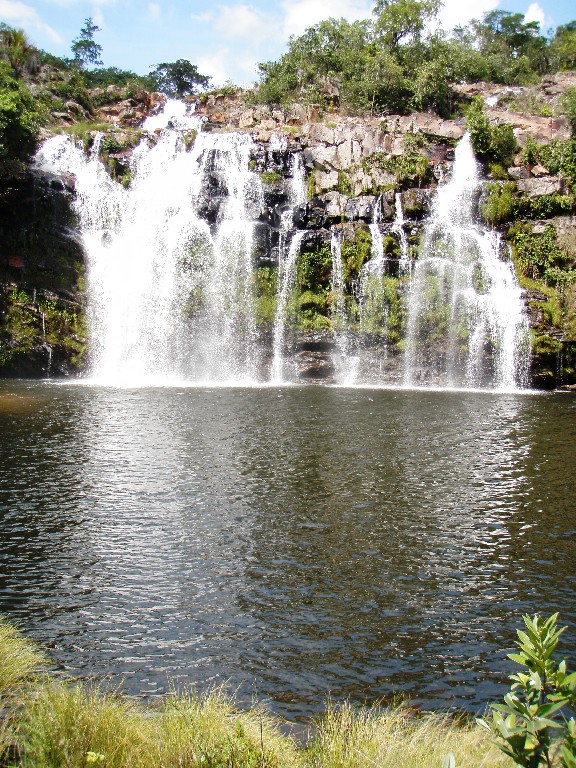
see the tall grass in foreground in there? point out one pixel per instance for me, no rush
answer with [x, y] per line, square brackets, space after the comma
[48, 723]
[19, 661]
[392, 738]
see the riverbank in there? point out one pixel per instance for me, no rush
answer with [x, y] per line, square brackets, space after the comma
[49, 721]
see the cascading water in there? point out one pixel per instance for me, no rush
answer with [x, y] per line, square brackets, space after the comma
[372, 273]
[288, 252]
[398, 229]
[171, 263]
[170, 297]
[345, 363]
[466, 326]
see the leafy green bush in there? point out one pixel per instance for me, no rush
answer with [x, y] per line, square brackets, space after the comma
[539, 257]
[535, 725]
[494, 144]
[412, 166]
[499, 205]
[19, 123]
[544, 206]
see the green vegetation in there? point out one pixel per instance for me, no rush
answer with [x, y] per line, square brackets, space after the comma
[265, 292]
[49, 722]
[536, 724]
[412, 167]
[392, 64]
[538, 256]
[499, 204]
[85, 49]
[494, 145]
[310, 302]
[32, 324]
[178, 78]
[20, 120]
[355, 253]
[270, 177]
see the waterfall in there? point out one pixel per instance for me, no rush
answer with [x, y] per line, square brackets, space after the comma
[172, 257]
[466, 326]
[398, 229]
[369, 289]
[288, 252]
[345, 364]
[286, 276]
[170, 296]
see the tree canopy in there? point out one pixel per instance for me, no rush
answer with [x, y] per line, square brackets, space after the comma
[401, 60]
[179, 78]
[85, 49]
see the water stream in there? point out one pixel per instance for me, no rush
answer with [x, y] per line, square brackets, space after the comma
[172, 271]
[466, 324]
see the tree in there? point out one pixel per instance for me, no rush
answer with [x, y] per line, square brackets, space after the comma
[19, 123]
[86, 51]
[15, 49]
[179, 78]
[563, 46]
[402, 21]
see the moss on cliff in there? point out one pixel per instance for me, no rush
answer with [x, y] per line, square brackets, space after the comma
[40, 333]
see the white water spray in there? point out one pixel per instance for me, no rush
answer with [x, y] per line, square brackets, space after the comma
[288, 252]
[170, 298]
[466, 325]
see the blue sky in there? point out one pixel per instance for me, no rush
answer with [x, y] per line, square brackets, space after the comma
[226, 39]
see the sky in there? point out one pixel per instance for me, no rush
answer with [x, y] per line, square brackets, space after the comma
[225, 40]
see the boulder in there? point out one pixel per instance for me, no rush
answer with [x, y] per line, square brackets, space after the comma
[360, 208]
[325, 181]
[246, 119]
[546, 185]
[519, 172]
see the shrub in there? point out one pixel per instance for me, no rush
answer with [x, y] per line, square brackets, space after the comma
[535, 725]
[499, 204]
[491, 143]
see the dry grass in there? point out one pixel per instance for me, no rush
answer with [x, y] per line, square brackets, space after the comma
[55, 724]
[352, 738]
[19, 661]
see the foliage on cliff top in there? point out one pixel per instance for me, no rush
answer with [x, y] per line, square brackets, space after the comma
[19, 122]
[392, 64]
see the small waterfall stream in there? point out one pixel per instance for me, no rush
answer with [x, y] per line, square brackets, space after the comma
[345, 363]
[398, 229]
[171, 271]
[466, 327]
[288, 252]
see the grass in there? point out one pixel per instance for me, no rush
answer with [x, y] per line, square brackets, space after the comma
[19, 661]
[46, 722]
[362, 738]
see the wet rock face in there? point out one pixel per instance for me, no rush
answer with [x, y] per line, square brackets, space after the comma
[38, 231]
[41, 264]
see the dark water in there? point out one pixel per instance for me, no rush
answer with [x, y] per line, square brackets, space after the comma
[296, 543]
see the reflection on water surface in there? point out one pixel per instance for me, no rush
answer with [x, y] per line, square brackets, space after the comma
[292, 542]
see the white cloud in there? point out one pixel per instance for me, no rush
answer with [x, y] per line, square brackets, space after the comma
[242, 21]
[301, 14]
[98, 18]
[154, 11]
[66, 3]
[203, 18]
[218, 65]
[455, 12]
[21, 15]
[535, 12]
